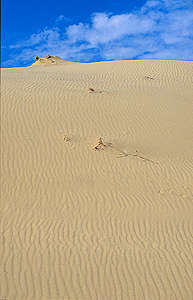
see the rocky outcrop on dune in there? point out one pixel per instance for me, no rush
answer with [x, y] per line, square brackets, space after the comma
[49, 59]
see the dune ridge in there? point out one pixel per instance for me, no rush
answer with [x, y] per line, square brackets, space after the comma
[84, 216]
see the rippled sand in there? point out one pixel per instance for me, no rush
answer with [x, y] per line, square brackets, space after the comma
[110, 223]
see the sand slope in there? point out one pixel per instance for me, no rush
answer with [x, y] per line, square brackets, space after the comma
[79, 223]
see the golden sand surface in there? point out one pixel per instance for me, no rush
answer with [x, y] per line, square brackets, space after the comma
[97, 181]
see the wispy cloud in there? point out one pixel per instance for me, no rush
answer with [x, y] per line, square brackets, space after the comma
[62, 18]
[160, 29]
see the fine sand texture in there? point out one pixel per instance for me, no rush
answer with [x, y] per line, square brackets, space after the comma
[97, 181]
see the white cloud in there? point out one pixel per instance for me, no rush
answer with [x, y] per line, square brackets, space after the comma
[60, 18]
[120, 53]
[105, 29]
[160, 29]
[152, 3]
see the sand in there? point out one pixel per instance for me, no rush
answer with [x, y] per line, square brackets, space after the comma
[96, 181]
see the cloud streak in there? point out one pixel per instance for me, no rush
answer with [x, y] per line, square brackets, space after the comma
[160, 29]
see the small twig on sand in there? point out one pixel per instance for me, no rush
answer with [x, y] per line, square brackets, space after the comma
[124, 154]
[91, 90]
[66, 139]
[100, 145]
[149, 77]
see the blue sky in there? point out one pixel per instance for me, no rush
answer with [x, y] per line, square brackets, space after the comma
[87, 31]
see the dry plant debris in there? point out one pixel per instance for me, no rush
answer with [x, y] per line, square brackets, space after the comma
[149, 77]
[66, 138]
[124, 154]
[100, 145]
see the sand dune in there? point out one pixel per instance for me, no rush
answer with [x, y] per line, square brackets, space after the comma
[90, 218]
